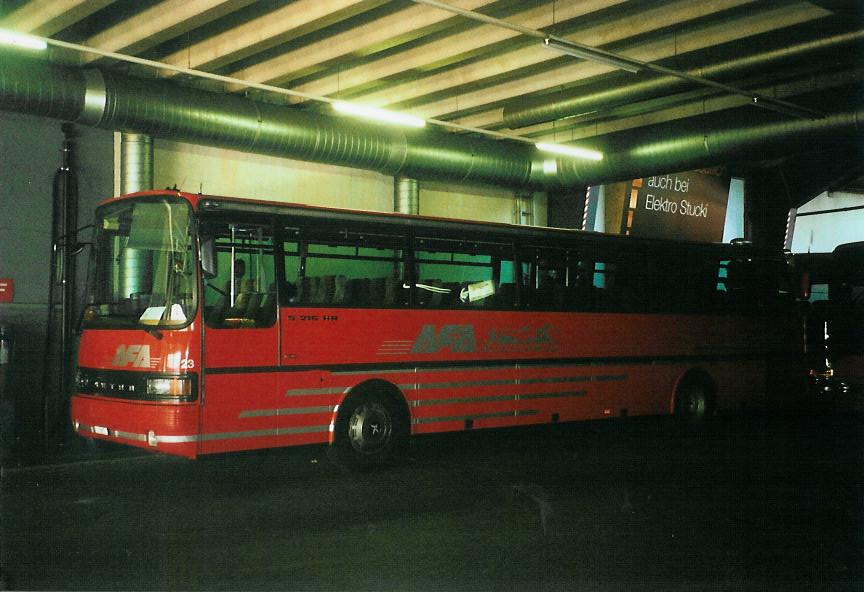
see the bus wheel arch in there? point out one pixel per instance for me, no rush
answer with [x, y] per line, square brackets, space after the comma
[694, 400]
[372, 426]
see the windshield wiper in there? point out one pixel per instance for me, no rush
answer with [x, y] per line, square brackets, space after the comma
[154, 332]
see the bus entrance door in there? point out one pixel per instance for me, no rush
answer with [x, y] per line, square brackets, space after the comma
[241, 343]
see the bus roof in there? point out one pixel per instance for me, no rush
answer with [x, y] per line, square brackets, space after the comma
[211, 203]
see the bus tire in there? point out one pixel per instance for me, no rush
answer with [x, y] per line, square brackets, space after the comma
[694, 402]
[371, 431]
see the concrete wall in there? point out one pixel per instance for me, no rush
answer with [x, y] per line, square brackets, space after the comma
[30, 155]
[215, 171]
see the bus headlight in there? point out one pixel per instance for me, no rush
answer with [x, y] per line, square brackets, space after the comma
[175, 388]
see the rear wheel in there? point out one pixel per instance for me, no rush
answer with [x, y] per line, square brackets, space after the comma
[693, 403]
[371, 431]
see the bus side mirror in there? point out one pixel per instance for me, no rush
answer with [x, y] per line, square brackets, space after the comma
[208, 257]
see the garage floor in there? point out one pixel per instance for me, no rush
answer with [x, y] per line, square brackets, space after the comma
[748, 504]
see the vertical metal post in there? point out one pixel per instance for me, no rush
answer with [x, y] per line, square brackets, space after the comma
[406, 196]
[523, 208]
[136, 163]
[136, 174]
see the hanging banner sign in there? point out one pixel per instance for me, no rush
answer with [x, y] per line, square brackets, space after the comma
[690, 205]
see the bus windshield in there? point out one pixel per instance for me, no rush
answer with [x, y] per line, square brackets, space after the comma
[143, 267]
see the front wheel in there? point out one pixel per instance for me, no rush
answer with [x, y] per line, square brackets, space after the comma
[371, 431]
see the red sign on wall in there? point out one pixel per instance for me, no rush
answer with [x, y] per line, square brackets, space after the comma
[7, 289]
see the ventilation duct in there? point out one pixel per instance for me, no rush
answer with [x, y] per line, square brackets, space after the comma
[136, 174]
[163, 109]
[568, 104]
[724, 140]
[167, 110]
[406, 196]
[136, 162]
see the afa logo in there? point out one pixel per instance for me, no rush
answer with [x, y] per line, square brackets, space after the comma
[465, 339]
[137, 356]
[456, 338]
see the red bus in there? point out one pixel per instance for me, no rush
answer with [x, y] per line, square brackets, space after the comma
[218, 324]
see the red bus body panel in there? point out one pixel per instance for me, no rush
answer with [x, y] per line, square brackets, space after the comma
[455, 369]
[128, 421]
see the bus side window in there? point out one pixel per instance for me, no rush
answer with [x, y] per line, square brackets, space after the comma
[243, 294]
[603, 281]
[505, 298]
[453, 279]
[339, 267]
[456, 274]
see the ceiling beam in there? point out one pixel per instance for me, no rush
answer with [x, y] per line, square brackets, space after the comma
[505, 61]
[160, 22]
[268, 30]
[668, 46]
[47, 17]
[291, 64]
[449, 48]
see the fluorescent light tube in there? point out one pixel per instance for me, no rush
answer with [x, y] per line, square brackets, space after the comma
[595, 55]
[13, 38]
[378, 114]
[574, 151]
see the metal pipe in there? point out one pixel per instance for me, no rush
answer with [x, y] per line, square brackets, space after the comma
[638, 153]
[165, 109]
[575, 102]
[136, 162]
[168, 110]
[65, 236]
[58, 350]
[136, 174]
[406, 196]
[523, 208]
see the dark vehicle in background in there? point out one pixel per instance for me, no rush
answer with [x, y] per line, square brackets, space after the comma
[834, 285]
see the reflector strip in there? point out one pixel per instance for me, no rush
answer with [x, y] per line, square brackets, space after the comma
[182, 439]
[286, 411]
[315, 391]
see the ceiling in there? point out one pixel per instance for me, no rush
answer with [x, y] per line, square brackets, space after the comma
[413, 57]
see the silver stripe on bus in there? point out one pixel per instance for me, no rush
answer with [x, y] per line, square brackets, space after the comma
[510, 381]
[510, 397]
[220, 436]
[417, 370]
[259, 433]
[129, 435]
[286, 411]
[477, 416]
[497, 367]
[315, 391]
[176, 439]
